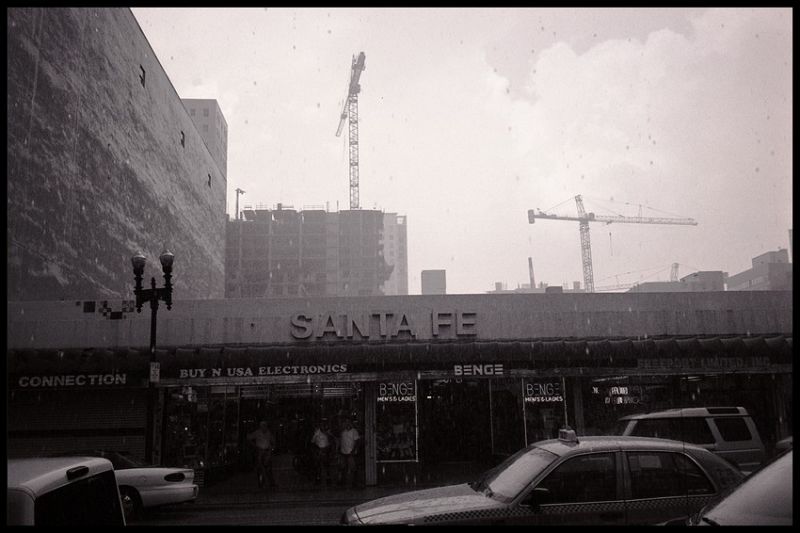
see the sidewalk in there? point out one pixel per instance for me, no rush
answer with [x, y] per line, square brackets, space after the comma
[292, 489]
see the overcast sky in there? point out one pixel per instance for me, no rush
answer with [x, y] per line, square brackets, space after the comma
[470, 117]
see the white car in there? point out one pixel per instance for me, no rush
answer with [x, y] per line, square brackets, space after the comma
[143, 486]
[62, 491]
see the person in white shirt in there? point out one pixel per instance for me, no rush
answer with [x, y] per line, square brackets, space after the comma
[322, 452]
[348, 448]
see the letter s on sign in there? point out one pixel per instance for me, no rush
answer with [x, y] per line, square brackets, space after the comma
[301, 326]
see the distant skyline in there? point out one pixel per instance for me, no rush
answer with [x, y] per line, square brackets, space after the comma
[470, 117]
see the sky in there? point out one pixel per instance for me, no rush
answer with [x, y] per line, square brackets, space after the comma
[469, 117]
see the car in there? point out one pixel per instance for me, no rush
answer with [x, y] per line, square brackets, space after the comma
[605, 480]
[142, 486]
[727, 431]
[62, 491]
[763, 499]
[783, 445]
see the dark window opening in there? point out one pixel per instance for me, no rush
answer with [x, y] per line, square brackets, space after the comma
[209, 180]
[142, 75]
[733, 429]
[183, 140]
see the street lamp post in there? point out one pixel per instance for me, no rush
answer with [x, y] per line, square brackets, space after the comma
[152, 295]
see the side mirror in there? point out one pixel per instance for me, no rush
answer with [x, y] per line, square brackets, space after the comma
[537, 497]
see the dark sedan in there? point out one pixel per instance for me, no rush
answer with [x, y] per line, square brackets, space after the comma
[570, 480]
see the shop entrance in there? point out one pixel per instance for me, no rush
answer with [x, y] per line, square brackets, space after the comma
[454, 421]
[292, 410]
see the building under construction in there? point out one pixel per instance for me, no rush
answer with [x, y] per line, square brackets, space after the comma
[283, 252]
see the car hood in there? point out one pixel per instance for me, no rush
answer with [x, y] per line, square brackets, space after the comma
[415, 505]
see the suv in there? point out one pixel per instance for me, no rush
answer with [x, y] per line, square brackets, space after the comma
[727, 431]
[62, 491]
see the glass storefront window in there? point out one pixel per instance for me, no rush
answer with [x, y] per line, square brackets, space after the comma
[396, 419]
[544, 401]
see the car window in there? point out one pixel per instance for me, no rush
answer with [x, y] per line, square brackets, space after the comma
[733, 428]
[661, 474]
[690, 429]
[585, 478]
[509, 478]
[90, 501]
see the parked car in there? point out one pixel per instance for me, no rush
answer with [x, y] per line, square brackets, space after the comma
[62, 491]
[727, 431]
[143, 486]
[570, 480]
[783, 445]
[763, 499]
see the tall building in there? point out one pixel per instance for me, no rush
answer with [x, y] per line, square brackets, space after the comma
[395, 253]
[212, 127]
[103, 161]
[434, 281]
[771, 271]
[285, 252]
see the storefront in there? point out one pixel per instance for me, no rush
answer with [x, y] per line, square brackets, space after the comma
[427, 381]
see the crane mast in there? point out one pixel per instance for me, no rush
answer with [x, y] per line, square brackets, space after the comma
[583, 220]
[350, 112]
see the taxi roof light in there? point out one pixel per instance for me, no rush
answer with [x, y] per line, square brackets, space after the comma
[568, 435]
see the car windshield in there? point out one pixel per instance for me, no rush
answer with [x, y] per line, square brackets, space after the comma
[505, 481]
[765, 498]
[123, 462]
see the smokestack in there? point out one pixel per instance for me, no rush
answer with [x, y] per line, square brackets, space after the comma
[530, 272]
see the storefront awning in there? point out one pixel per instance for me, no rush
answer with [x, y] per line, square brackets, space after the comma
[729, 352]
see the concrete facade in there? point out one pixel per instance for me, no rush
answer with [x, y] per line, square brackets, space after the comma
[103, 161]
[212, 126]
[395, 252]
[771, 271]
[433, 281]
[56, 325]
[283, 252]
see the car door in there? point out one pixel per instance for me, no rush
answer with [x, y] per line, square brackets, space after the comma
[583, 489]
[663, 485]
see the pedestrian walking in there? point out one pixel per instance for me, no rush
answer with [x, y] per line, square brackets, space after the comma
[322, 440]
[264, 442]
[348, 449]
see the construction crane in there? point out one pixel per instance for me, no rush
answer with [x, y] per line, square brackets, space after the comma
[583, 220]
[350, 111]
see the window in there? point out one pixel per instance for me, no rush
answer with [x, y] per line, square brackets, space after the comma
[90, 501]
[142, 75]
[733, 428]
[209, 180]
[191, 111]
[694, 430]
[205, 113]
[205, 128]
[662, 474]
[586, 478]
[183, 140]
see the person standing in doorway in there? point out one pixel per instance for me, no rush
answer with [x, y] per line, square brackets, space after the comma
[348, 449]
[264, 443]
[322, 440]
